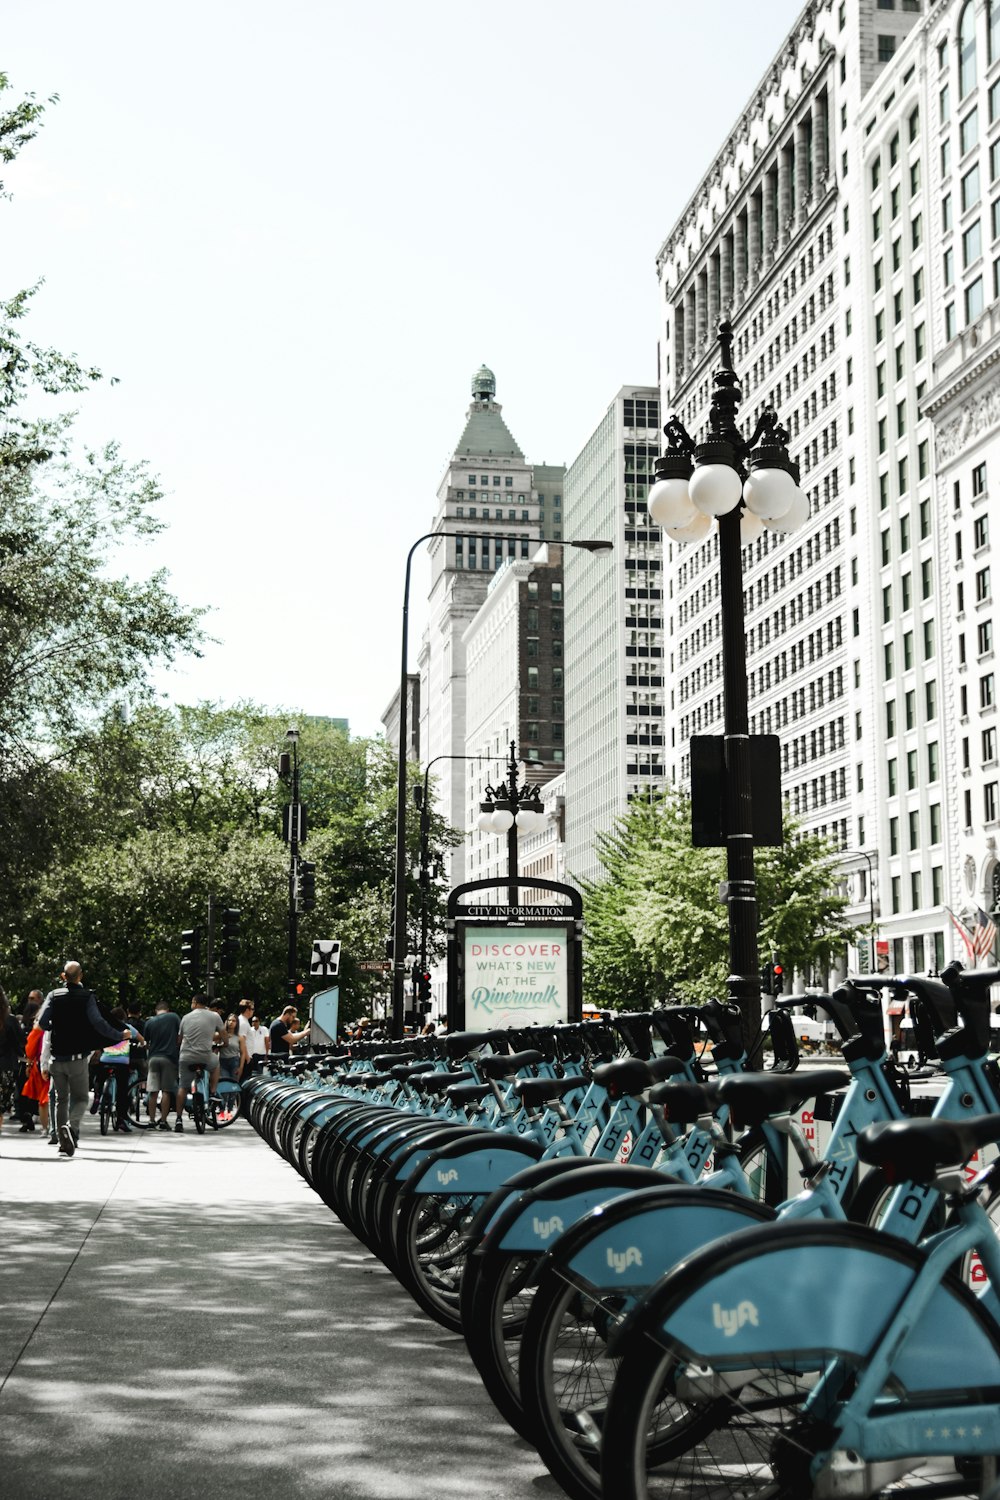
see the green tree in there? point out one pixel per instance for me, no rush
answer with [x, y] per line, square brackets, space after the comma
[656, 930]
[74, 637]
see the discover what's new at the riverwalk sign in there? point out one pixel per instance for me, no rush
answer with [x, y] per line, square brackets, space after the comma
[515, 964]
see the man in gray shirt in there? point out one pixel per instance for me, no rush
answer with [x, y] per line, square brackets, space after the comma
[199, 1029]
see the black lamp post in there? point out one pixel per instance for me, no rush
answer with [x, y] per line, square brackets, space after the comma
[510, 809]
[864, 854]
[421, 796]
[399, 891]
[746, 484]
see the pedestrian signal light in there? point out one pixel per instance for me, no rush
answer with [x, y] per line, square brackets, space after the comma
[191, 953]
[300, 988]
[305, 885]
[230, 940]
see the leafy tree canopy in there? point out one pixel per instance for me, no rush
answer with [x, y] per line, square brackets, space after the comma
[656, 930]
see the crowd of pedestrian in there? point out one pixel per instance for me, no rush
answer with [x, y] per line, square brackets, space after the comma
[63, 1049]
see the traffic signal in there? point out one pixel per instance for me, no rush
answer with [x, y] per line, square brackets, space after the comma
[300, 989]
[767, 979]
[229, 944]
[305, 885]
[191, 954]
[779, 979]
[424, 989]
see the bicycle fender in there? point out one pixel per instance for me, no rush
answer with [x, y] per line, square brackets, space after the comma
[631, 1241]
[530, 1222]
[472, 1166]
[415, 1153]
[804, 1292]
[533, 1177]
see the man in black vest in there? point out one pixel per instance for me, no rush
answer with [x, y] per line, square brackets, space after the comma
[76, 1024]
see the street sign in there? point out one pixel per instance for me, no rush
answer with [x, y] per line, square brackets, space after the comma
[324, 1013]
[506, 913]
[325, 958]
[375, 966]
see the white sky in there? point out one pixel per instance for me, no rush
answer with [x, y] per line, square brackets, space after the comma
[294, 230]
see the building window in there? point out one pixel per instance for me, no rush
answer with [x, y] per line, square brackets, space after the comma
[990, 802]
[966, 50]
[979, 488]
[970, 189]
[968, 132]
[974, 303]
[932, 761]
[886, 47]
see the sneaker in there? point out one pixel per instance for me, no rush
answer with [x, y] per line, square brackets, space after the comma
[163, 1125]
[52, 1140]
[96, 1105]
[179, 1125]
[75, 1134]
[67, 1145]
[124, 1127]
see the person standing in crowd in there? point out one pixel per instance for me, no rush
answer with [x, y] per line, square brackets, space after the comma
[25, 1106]
[245, 1010]
[259, 1040]
[161, 1072]
[233, 1056]
[76, 1025]
[35, 1086]
[11, 1053]
[283, 1034]
[199, 1030]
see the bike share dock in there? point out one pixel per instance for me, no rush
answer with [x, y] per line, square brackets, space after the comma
[182, 1315]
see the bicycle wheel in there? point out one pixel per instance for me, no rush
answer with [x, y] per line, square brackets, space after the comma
[136, 1106]
[492, 1325]
[824, 1296]
[431, 1245]
[226, 1104]
[198, 1111]
[107, 1108]
[565, 1369]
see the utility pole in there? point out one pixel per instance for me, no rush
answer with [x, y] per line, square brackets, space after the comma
[288, 770]
[210, 950]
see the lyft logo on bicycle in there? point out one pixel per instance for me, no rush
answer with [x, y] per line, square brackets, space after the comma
[732, 1319]
[445, 1177]
[547, 1227]
[621, 1260]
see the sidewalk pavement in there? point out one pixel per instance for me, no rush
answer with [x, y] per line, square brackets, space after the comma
[182, 1316]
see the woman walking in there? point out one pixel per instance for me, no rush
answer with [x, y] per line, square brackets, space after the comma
[11, 1053]
[36, 1087]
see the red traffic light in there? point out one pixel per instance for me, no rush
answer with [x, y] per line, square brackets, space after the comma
[300, 988]
[778, 969]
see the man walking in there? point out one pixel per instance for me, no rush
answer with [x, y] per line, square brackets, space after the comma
[161, 1076]
[76, 1025]
[199, 1030]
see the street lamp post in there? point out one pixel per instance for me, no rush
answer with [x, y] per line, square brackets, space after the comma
[864, 854]
[510, 809]
[746, 485]
[399, 889]
[422, 798]
[288, 770]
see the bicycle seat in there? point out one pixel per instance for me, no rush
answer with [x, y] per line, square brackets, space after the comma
[535, 1091]
[459, 1043]
[372, 1080]
[437, 1083]
[633, 1075]
[387, 1060]
[684, 1103]
[466, 1093]
[754, 1096]
[403, 1071]
[505, 1066]
[914, 1149]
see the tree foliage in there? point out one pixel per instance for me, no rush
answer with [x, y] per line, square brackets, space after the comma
[656, 930]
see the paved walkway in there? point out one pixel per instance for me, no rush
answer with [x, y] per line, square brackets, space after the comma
[182, 1316]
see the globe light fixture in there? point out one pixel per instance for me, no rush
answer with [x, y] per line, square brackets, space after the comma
[741, 486]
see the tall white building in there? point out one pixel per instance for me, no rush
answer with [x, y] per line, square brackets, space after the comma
[614, 627]
[489, 500]
[848, 230]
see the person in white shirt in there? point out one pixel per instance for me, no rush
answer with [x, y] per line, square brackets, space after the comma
[258, 1042]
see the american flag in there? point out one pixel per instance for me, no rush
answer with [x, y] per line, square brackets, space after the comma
[985, 934]
[963, 933]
